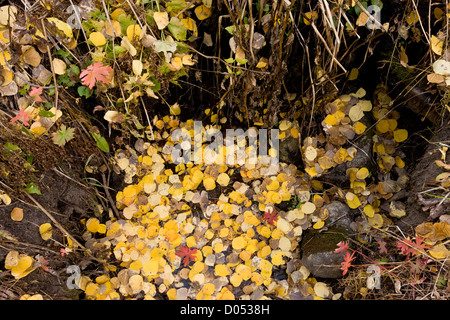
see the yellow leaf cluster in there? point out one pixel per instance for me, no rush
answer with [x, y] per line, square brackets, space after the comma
[19, 264]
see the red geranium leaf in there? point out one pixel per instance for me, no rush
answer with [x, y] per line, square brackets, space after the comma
[270, 217]
[36, 93]
[342, 246]
[96, 72]
[22, 116]
[187, 254]
[347, 262]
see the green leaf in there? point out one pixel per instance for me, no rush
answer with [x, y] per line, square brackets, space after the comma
[84, 91]
[241, 61]
[62, 53]
[63, 135]
[46, 114]
[358, 9]
[11, 146]
[175, 6]
[177, 28]
[377, 3]
[101, 142]
[230, 29]
[31, 188]
[74, 70]
[229, 60]
[118, 49]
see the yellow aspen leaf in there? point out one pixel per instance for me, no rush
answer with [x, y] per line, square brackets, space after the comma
[238, 243]
[5, 36]
[369, 210]
[362, 173]
[359, 127]
[191, 241]
[436, 45]
[321, 290]
[187, 60]
[245, 272]
[273, 185]
[202, 12]
[62, 26]
[209, 183]
[277, 258]
[136, 265]
[353, 75]
[294, 133]
[262, 63]
[397, 209]
[285, 125]
[439, 251]
[116, 13]
[325, 162]
[376, 221]
[412, 18]
[150, 268]
[5, 199]
[392, 124]
[355, 113]
[97, 39]
[225, 294]
[310, 153]
[340, 156]
[310, 16]
[11, 259]
[311, 171]
[45, 230]
[161, 19]
[308, 207]
[331, 120]
[59, 66]
[176, 63]
[115, 30]
[221, 270]
[318, 224]
[133, 31]
[17, 214]
[235, 280]
[172, 294]
[218, 247]
[136, 282]
[208, 288]
[399, 162]
[382, 126]
[265, 266]
[400, 135]
[223, 179]
[352, 200]
[284, 244]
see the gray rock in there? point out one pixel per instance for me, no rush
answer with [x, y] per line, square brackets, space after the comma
[339, 215]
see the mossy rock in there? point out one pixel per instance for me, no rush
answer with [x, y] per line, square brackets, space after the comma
[318, 254]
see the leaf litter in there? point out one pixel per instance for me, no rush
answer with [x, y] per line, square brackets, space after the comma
[230, 246]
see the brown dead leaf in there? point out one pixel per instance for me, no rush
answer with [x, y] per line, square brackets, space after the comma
[30, 56]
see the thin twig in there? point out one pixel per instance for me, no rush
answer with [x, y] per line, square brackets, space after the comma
[108, 195]
[57, 224]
